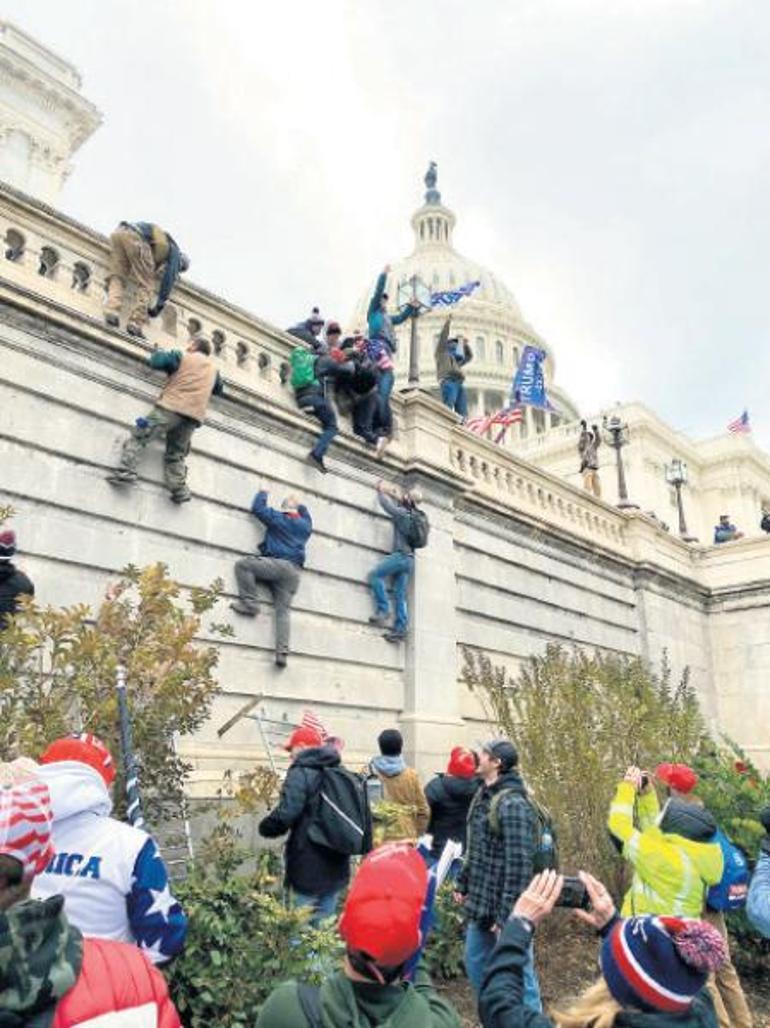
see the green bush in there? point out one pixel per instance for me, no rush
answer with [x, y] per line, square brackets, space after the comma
[444, 951]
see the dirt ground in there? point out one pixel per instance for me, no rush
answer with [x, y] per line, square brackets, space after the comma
[567, 963]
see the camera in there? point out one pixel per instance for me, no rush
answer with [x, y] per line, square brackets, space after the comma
[574, 895]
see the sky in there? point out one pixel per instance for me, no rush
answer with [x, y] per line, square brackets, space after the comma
[609, 160]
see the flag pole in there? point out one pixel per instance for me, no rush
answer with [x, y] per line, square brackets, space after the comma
[130, 770]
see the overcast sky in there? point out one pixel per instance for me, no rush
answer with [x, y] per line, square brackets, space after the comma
[608, 159]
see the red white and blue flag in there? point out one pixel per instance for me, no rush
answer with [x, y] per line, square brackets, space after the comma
[741, 425]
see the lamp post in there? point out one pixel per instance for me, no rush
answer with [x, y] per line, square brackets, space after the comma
[676, 475]
[617, 438]
[417, 294]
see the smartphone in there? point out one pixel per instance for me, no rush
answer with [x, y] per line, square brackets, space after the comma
[645, 781]
[574, 895]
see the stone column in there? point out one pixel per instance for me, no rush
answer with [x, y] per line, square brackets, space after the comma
[431, 713]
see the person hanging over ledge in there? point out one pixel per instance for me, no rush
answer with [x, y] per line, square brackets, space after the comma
[725, 531]
[141, 252]
[452, 354]
[588, 446]
[410, 533]
[311, 375]
[280, 561]
[13, 583]
[178, 411]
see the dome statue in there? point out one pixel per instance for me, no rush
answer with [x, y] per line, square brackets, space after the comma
[490, 318]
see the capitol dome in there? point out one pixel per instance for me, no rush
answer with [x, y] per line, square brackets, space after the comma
[490, 318]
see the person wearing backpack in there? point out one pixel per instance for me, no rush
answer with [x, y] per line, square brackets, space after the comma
[449, 797]
[380, 927]
[410, 533]
[310, 373]
[499, 862]
[758, 903]
[314, 873]
[728, 894]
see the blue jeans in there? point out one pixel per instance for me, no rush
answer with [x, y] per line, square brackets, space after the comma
[399, 567]
[324, 411]
[479, 944]
[384, 389]
[454, 396]
[323, 906]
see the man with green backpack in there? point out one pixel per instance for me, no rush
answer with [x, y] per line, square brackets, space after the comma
[309, 375]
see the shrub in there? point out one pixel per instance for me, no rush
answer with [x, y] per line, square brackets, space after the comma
[578, 721]
[446, 943]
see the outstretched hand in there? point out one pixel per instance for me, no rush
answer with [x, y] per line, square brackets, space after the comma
[602, 904]
[634, 776]
[540, 897]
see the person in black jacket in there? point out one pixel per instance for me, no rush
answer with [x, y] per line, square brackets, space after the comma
[316, 398]
[654, 970]
[316, 875]
[358, 393]
[449, 797]
[13, 583]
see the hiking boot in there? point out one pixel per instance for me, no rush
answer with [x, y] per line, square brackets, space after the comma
[379, 620]
[121, 477]
[317, 462]
[112, 320]
[280, 659]
[135, 330]
[395, 637]
[181, 496]
[243, 608]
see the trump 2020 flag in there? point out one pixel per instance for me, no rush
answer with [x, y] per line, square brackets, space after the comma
[529, 381]
[449, 297]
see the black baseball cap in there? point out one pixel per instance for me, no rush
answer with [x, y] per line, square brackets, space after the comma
[504, 751]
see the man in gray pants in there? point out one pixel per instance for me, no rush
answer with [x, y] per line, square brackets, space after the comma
[282, 556]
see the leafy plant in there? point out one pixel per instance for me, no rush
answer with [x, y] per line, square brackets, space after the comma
[446, 944]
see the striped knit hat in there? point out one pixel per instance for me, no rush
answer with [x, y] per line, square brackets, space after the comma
[660, 963]
[25, 817]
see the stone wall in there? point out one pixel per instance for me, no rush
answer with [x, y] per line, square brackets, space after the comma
[516, 556]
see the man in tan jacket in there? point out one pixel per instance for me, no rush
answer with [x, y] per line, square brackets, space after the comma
[401, 788]
[178, 411]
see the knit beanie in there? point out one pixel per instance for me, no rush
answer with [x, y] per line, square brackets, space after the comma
[25, 817]
[84, 748]
[677, 776]
[660, 963]
[461, 763]
[7, 544]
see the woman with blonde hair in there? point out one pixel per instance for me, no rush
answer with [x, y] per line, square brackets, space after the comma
[654, 968]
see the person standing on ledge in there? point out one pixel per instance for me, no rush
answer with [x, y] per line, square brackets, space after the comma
[588, 446]
[282, 557]
[141, 251]
[178, 411]
[725, 531]
[13, 583]
[410, 532]
[381, 325]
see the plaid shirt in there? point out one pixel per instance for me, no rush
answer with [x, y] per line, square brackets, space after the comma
[497, 869]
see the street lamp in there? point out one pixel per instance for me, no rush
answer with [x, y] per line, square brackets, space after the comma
[676, 475]
[617, 438]
[417, 294]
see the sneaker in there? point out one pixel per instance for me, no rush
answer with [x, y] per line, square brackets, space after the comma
[181, 496]
[112, 320]
[317, 462]
[135, 330]
[121, 477]
[243, 608]
[395, 637]
[382, 444]
[280, 659]
[379, 620]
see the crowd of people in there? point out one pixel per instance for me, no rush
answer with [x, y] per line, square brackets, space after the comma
[80, 890]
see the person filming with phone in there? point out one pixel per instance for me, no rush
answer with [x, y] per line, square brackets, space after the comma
[653, 969]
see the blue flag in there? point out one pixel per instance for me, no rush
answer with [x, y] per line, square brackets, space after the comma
[452, 296]
[529, 381]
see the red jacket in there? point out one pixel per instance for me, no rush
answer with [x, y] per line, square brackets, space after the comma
[118, 985]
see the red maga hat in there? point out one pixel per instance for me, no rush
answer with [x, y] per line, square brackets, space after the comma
[303, 736]
[677, 776]
[461, 763]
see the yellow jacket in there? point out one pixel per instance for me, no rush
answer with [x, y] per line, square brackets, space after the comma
[671, 873]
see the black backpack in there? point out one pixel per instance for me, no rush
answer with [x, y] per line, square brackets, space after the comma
[419, 529]
[341, 819]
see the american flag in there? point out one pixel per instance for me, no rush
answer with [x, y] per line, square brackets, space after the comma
[505, 417]
[741, 425]
[311, 720]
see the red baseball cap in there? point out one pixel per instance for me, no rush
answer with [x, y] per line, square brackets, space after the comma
[85, 748]
[677, 776]
[303, 736]
[383, 909]
[461, 763]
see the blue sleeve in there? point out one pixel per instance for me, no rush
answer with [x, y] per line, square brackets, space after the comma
[157, 921]
[165, 360]
[388, 505]
[758, 903]
[304, 514]
[501, 1001]
[376, 300]
[262, 512]
[400, 318]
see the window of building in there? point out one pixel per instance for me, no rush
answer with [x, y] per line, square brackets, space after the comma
[539, 421]
[481, 353]
[499, 351]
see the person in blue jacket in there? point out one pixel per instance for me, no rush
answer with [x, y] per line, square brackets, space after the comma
[758, 903]
[280, 560]
[381, 325]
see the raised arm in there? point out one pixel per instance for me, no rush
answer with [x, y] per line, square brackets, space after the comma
[259, 508]
[379, 289]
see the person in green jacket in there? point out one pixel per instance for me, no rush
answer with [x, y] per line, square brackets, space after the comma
[381, 929]
[672, 854]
